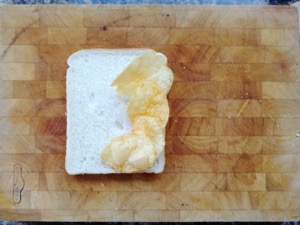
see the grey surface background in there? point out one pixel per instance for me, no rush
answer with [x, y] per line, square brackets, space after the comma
[178, 2]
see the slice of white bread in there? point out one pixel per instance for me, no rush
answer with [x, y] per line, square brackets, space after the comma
[96, 113]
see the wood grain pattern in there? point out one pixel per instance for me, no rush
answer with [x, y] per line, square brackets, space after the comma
[286, 20]
[132, 200]
[17, 71]
[189, 200]
[153, 17]
[234, 36]
[194, 144]
[240, 144]
[192, 108]
[241, 19]
[232, 140]
[162, 182]
[239, 90]
[191, 71]
[280, 145]
[246, 181]
[207, 182]
[279, 37]
[282, 181]
[6, 89]
[17, 144]
[235, 200]
[202, 17]
[157, 215]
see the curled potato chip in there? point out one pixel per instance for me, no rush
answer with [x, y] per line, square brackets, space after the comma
[147, 80]
[140, 69]
[149, 99]
[129, 153]
[149, 126]
[164, 78]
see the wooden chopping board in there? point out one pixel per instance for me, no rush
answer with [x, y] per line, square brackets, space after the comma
[233, 142]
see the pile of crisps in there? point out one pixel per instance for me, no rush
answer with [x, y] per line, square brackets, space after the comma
[147, 80]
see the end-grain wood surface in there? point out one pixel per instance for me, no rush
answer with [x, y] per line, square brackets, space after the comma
[233, 145]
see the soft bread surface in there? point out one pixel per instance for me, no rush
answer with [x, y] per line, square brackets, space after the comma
[96, 113]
